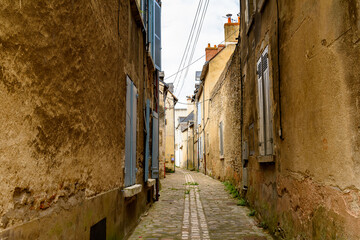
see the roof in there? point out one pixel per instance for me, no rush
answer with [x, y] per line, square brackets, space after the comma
[185, 120]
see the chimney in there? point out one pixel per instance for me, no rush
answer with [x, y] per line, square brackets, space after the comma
[231, 30]
[171, 87]
[212, 51]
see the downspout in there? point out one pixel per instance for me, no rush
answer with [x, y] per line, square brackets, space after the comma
[174, 130]
[278, 62]
[204, 147]
[187, 147]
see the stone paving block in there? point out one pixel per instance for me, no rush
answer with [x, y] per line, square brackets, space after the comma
[206, 212]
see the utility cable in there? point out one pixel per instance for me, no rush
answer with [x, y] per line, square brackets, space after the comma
[172, 75]
[182, 62]
[195, 42]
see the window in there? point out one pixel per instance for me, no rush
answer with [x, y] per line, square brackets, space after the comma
[221, 140]
[250, 6]
[130, 133]
[200, 148]
[154, 32]
[199, 113]
[264, 101]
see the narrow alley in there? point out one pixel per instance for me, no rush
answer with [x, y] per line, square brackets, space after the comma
[195, 206]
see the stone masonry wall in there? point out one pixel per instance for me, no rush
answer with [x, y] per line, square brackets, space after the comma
[225, 107]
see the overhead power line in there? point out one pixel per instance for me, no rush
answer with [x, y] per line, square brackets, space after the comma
[195, 42]
[191, 34]
[198, 59]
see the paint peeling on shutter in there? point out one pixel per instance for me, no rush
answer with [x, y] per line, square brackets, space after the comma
[155, 147]
[147, 150]
[268, 115]
[261, 108]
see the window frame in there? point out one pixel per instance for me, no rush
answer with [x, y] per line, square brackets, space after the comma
[221, 140]
[265, 119]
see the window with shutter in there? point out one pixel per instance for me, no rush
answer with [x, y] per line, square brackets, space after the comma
[147, 140]
[221, 139]
[155, 146]
[261, 109]
[157, 36]
[264, 101]
[130, 133]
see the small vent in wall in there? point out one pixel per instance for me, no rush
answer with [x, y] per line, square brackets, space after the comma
[98, 230]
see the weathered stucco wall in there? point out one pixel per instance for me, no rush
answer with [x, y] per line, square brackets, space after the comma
[311, 191]
[169, 132]
[225, 107]
[63, 67]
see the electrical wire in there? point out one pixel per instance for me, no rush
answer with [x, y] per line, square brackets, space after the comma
[182, 62]
[196, 59]
[195, 42]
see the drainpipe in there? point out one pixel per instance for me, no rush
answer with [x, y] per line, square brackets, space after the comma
[278, 60]
[204, 147]
[187, 147]
[174, 130]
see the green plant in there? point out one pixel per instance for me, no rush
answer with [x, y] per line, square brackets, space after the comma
[187, 191]
[191, 183]
[263, 225]
[252, 213]
[242, 202]
[232, 190]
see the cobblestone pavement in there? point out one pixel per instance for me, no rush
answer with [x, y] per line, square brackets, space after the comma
[195, 206]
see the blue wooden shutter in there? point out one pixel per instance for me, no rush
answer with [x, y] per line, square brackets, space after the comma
[155, 147]
[151, 34]
[147, 127]
[130, 133]
[157, 36]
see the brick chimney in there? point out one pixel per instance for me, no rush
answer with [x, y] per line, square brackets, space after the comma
[231, 30]
[212, 51]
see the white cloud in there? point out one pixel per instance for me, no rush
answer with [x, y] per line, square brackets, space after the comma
[177, 19]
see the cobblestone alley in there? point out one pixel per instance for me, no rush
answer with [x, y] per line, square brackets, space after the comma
[203, 211]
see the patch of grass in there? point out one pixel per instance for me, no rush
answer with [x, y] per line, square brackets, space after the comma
[174, 189]
[232, 190]
[263, 225]
[192, 183]
[252, 213]
[242, 202]
[169, 170]
[187, 191]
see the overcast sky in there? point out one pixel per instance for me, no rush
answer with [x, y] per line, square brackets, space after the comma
[177, 19]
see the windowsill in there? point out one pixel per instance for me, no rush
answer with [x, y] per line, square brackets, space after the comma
[266, 159]
[132, 190]
[151, 182]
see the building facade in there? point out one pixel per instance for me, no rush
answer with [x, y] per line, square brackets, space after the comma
[282, 117]
[79, 117]
[300, 87]
[212, 114]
